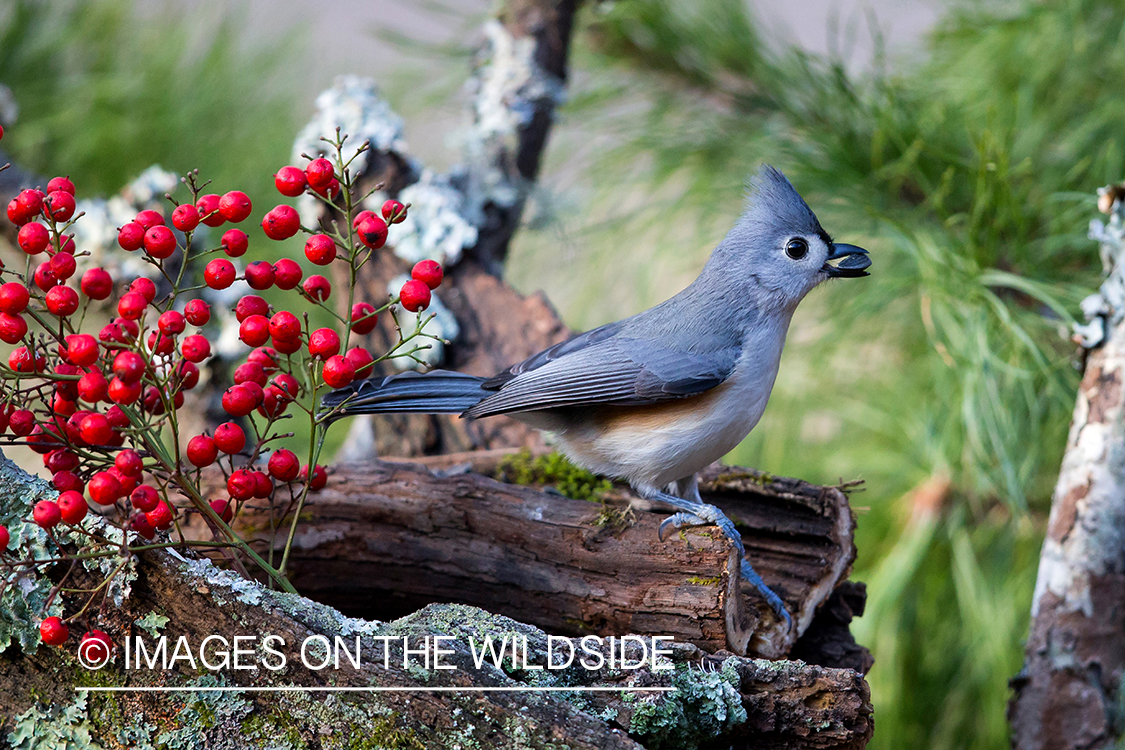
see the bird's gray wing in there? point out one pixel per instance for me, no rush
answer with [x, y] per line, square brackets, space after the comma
[614, 369]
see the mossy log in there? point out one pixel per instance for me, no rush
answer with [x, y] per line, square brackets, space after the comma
[384, 539]
[719, 700]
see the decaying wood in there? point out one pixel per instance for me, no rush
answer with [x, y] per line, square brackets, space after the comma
[383, 539]
[735, 702]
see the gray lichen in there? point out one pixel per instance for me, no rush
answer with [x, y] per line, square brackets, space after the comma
[1105, 308]
[54, 728]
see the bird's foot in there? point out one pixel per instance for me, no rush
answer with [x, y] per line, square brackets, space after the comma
[692, 513]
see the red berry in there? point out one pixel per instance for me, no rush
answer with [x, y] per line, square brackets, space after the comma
[364, 318]
[264, 356]
[159, 242]
[331, 190]
[171, 323]
[284, 326]
[235, 242]
[415, 296]
[250, 372]
[197, 312]
[53, 631]
[72, 506]
[141, 525]
[131, 236]
[131, 306]
[21, 423]
[324, 343]
[260, 275]
[361, 217]
[5, 538]
[33, 238]
[161, 516]
[189, 376]
[67, 481]
[219, 273]
[320, 173]
[224, 509]
[238, 401]
[319, 477]
[274, 402]
[230, 438]
[68, 246]
[144, 287]
[255, 330]
[209, 212]
[96, 283]
[249, 305]
[241, 484]
[362, 361]
[263, 487]
[373, 232]
[149, 219]
[128, 366]
[185, 217]
[287, 273]
[46, 514]
[338, 372]
[120, 392]
[320, 249]
[44, 277]
[31, 201]
[104, 488]
[63, 265]
[283, 465]
[63, 406]
[235, 206]
[82, 349]
[129, 462]
[195, 348]
[287, 346]
[59, 205]
[317, 287]
[62, 301]
[95, 430]
[95, 647]
[202, 451]
[13, 297]
[12, 328]
[60, 183]
[428, 272]
[92, 387]
[290, 181]
[393, 211]
[60, 460]
[21, 360]
[116, 417]
[281, 223]
[144, 498]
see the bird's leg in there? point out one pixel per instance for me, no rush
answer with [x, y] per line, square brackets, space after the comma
[694, 512]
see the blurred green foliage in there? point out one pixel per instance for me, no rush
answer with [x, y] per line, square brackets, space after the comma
[108, 88]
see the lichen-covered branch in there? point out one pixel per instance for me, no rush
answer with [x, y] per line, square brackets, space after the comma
[1069, 692]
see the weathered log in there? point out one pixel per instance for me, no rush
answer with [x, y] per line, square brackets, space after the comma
[384, 539]
[723, 699]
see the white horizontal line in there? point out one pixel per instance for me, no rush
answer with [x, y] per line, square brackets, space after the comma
[377, 689]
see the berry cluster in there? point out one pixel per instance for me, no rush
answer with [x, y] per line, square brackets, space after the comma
[104, 409]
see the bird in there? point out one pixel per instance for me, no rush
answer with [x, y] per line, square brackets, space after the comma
[654, 398]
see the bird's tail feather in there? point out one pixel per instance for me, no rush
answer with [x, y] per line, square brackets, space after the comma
[437, 392]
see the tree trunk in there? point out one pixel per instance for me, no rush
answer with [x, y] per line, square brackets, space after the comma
[1069, 692]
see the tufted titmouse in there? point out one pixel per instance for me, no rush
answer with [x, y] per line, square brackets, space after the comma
[655, 398]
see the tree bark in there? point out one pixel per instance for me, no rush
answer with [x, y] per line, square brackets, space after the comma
[1069, 692]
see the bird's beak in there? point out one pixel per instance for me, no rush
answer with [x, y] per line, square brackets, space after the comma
[846, 261]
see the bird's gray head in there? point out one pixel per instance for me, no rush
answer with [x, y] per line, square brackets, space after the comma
[779, 243]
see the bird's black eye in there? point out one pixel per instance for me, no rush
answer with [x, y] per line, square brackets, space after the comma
[797, 248]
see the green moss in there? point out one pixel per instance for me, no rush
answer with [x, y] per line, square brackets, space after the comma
[552, 470]
[704, 581]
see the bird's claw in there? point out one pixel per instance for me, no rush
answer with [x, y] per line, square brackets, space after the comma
[677, 520]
